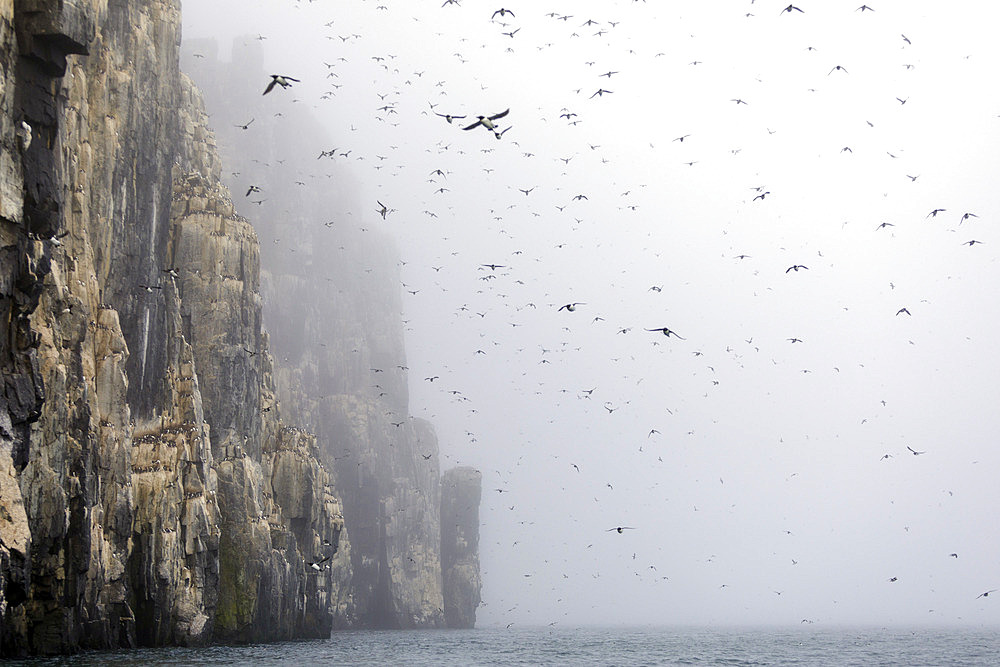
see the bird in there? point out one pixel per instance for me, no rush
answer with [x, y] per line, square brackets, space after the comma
[316, 566]
[667, 332]
[621, 528]
[933, 214]
[252, 189]
[796, 267]
[487, 121]
[966, 216]
[571, 306]
[902, 310]
[246, 125]
[501, 12]
[789, 9]
[915, 452]
[279, 80]
[600, 93]
[383, 210]
[987, 593]
[447, 116]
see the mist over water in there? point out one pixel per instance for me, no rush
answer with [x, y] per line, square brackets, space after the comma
[763, 457]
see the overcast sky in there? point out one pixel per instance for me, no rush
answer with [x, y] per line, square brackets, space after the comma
[764, 455]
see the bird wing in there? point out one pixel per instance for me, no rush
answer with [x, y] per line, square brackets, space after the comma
[474, 125]
[288, 78]
[270, 86]
[500, 115]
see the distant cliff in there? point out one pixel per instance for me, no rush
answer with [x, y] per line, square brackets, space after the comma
[153, 488]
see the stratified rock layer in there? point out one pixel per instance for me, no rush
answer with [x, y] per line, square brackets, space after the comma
[150, 492]
[461, 491]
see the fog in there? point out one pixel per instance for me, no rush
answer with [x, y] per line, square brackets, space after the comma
[762, 456]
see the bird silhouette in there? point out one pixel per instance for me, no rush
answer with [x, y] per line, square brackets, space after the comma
[667, 332]
[279, 80]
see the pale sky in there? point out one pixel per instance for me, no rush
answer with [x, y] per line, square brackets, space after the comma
[748, 455]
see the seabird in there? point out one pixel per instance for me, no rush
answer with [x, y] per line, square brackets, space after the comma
[501, 12]
[789, 9]
[571, 306]
[316, 566]
[667, 332]
[619, 529]
[796, 267]
[986, 594]
[447, 116]
[915, 452]
[279, 80]
[487, 121]
[384, 210]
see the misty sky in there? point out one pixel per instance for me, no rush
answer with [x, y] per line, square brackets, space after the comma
[749, 455]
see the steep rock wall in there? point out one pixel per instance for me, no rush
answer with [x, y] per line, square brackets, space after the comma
[461, 492]
[127, 516]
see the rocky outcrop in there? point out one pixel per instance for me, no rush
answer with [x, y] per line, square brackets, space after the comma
[343, 373]
[461, 492]
[162, 480]
[150, 493]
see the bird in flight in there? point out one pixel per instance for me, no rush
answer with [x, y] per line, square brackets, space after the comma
[933, 214]
[383, 210]
[487, 121]
[986, 594]
[447, 116]
[279, 80]
[571, 306]
[902, 310]
[667, 332]
[915, 452]
[246, 125]
[621, 528]
[316, 566]
[796, 267]
[501, 12]
[600, 93]
[789, 9]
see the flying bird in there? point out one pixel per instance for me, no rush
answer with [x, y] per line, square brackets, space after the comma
[789, 9]
[915, 452]
[279, 80]
[447, 116]
[487, 121]
[796, 267]
[501, 12]
[316, 566]
[383, 210]
[621, 528]
[987, 593]
[571, 306]
[667, 332]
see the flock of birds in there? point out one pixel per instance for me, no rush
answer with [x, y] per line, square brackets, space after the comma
[540, 222]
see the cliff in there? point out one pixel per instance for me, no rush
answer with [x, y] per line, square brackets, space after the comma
[343, 372]
[461, 492]
[151, 493]
[162, 479]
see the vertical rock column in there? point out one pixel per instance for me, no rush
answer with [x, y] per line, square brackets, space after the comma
[461, 492]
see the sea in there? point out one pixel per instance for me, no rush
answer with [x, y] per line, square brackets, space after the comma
[840, 647]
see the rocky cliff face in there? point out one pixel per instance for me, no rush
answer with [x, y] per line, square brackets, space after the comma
[342, 371]
[461, 492]
[150, 492]
[162, 480]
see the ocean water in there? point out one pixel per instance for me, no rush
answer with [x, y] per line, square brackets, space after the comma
[840, 647]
